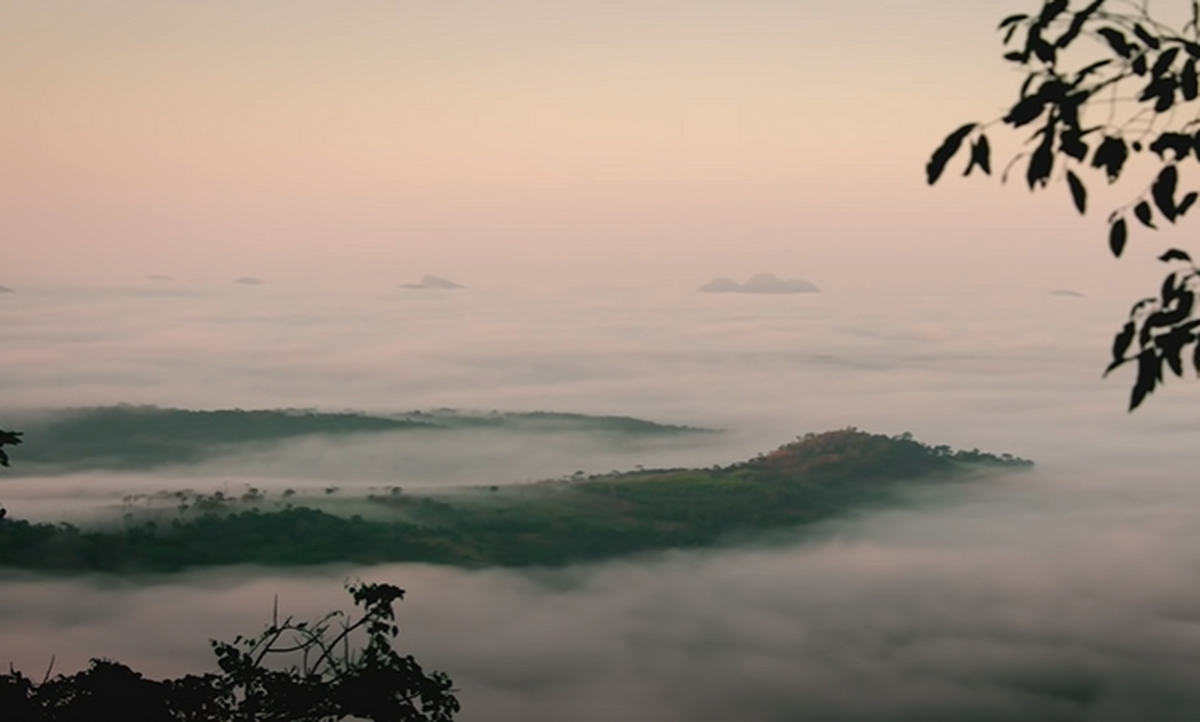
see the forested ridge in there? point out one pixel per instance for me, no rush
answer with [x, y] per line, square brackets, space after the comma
[127, 437]
[819, 476]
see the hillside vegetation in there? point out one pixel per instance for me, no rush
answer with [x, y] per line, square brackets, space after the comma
[817, 477]
[134, 438]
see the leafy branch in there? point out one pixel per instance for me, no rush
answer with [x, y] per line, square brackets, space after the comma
[1109, 57]
[10, 438]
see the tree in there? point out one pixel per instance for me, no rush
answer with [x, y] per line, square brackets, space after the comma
[331, 678]
[11, 438]
[1109, 90]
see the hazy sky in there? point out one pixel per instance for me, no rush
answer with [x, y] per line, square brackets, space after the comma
[372, 141]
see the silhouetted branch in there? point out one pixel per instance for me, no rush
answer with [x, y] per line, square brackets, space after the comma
[376, 683]
[1150, 73]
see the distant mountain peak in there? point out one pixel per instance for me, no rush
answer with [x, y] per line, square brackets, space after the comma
[433, 282]
[759, 283]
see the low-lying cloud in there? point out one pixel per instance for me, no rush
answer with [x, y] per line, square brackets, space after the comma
[1068, 594]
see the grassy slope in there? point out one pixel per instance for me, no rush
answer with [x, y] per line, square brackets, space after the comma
[815, 478]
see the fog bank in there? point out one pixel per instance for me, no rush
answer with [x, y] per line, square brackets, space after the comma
[1066, 594]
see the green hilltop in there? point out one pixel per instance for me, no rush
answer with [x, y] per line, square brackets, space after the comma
[817, 477]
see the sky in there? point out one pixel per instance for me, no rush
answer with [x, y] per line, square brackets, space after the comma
[516, 143]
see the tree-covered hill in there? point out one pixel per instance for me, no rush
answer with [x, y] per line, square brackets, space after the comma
[818, 477]
[134, 438]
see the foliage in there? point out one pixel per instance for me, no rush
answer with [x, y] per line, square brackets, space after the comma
[585, 518]
[145, 437]
[11, 438]
[1107, 84]
[330, 678]
[150, 437]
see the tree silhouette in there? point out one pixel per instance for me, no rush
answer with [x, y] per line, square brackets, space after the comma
[1106, 83]
[332, 676]
[10, 438]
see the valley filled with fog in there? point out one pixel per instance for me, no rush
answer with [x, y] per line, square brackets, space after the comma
[1066, 592]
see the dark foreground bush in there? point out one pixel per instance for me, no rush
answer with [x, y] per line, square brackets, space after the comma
[307, 671]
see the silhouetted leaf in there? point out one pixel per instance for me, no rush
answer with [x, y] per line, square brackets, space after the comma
[1162, 88]
[1164, 61]
[1166, 294]
[1178, 143]
[1187, 202]
[1149, 372]
[1012, 20]
[1042, 49]
[1163, 191]
[1111, 156]
[1016, 57]
[1166, 94]
[1145, 36]
[1077, 24]
[1175, 255]
[1028, 81]
[1078, 192]
[943, 154]
[1172, 345]
[1071, 143]
[981, 155]
[1118, 233]
[1054, 91]
[1139, 64]
[1116, 40]
[1187, 81]
[1041, 163]
[1068, 109]
[1192, 49]
[1176, 302]
[1089, 69]
[1051, 10]
[1144, 214]
[1122, 341]
[1026, 110]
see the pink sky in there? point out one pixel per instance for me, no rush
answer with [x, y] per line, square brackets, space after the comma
[372, 141]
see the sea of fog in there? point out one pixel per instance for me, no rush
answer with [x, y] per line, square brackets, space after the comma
[1071, 592]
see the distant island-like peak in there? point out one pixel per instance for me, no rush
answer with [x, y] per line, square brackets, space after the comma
[760, 283]
[428, 282]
